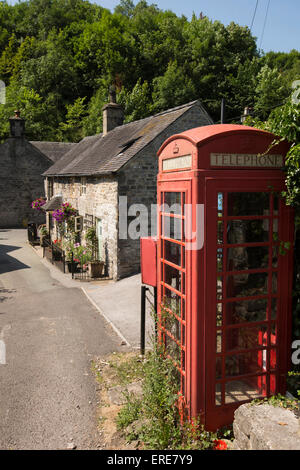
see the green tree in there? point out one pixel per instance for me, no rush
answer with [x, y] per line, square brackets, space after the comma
[126, 8]
[241, 87]
[93, 122]
[214, 54]
[270, 91]
[175, 87]
[105, 51]
[136, 103]
[39, 115]
[67, 51]
[72, 127]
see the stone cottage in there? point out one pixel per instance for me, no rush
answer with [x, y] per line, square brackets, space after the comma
[21, 166]
[104, 169]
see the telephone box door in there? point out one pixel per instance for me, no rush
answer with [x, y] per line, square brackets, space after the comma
[249, 233]
[173, 278]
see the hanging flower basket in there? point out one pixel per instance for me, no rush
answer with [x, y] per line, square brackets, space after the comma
[38, 204]
[73, 267]
[64, 213]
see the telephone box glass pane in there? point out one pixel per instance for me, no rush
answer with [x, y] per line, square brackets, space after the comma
[183, 283]
[172, 301]
[241, 390]
[219, 287]
[177, 377]
[172, 349]
[273, 385]
[218, 396]
[220, 204]
[183, 257]
[183, 336]
[173, 277]
[183, 309]
[247, 363]
[220, 226]
[247, 231]
[273, 309]
[172, 252]
[219, 315]
[246, 337]
[172, 227]
[273, 334]
[247, 285]
[244, 258]
[173, 326]
[219, 259]
[183, 360]
[246, 311]
[248, 203]
[218, 368]
[275, 257]
[219, 342]
[273, 360]
[172, 203]
[274, 283]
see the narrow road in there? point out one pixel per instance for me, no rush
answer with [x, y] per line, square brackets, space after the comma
[48, 394]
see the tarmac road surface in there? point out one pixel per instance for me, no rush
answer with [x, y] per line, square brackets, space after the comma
[48, 394]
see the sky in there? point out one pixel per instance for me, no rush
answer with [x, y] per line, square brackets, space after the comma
[282, 22]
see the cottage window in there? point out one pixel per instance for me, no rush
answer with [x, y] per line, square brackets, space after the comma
[83, 186]
[50, 188]
[72, 186]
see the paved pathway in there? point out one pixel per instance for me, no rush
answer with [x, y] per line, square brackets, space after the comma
[48, 395]
[120, 303]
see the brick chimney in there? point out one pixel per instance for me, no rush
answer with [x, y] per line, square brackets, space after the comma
[113, 115]
[17, 125]
[247, 112]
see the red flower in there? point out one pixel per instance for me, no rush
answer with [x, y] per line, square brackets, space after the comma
[220, 445]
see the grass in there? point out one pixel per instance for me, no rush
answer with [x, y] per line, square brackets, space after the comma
[149, 419]
[153, 419]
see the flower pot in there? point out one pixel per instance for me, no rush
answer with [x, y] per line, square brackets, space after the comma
[95, 268]
[44, 239]
[75, 266]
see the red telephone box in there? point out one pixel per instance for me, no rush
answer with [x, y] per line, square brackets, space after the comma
[224, 267]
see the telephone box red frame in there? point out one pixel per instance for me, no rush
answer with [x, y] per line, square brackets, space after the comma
[195, 167]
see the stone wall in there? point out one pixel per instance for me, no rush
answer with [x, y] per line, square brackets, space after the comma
[100, 200]
[137, 181]
[21, 181]
[265, 427]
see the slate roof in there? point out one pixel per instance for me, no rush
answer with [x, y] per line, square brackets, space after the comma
[53, 150]
[98, 155]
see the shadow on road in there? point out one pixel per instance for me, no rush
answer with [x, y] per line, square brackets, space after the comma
[4, 230]
[9, 263]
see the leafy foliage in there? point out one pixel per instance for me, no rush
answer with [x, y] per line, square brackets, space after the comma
[284, 122]
[280, 401]
[154, 418]
[58, 58]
